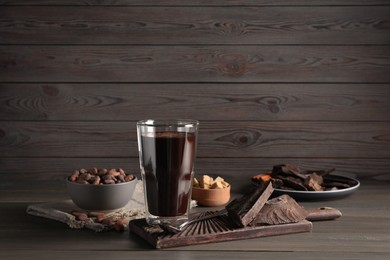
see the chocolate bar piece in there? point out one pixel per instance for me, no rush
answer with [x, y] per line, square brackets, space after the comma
[244, 210]
[280, 210]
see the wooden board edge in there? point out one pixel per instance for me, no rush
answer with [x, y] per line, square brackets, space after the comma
[160, 242]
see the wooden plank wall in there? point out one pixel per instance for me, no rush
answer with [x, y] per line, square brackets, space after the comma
[271, 82]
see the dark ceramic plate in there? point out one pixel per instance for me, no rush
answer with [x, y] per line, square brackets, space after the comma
[320, 195]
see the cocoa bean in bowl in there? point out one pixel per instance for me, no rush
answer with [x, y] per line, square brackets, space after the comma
[101, 189]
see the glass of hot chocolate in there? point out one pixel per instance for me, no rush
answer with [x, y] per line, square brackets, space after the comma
[167, 151]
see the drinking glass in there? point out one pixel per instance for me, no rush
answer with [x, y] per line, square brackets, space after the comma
[167, 151]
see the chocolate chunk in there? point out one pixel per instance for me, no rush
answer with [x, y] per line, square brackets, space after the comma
[280, 210]
[287, 169]
[244, 210]
[314, 182]
[293, 182]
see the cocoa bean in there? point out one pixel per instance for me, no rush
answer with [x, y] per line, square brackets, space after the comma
[95, 176]
[107, 177]
[102, 171]
[96, 180]
[110, 221]
[109, 182]
[129, 177]
[82, 181]
[113, 172]
[121, 220]
[100, 218]
[93, 170]
[82, 217]
[121, 178]
[85, 176]
[73, 177]
[119, 227]
[95, 214]
[83, 171]
[79, 215]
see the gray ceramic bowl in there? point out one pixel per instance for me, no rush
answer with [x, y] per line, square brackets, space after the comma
[101, 197]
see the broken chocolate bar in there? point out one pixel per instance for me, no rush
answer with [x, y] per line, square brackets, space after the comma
[284, 210]
[287, 169]
[293, 182]
[280, 210]
[291, 177]
[244, 210]
[313, 182]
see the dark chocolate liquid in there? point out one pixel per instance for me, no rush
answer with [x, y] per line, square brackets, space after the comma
[168, 159]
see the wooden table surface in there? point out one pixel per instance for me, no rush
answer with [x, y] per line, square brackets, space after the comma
[363, 232]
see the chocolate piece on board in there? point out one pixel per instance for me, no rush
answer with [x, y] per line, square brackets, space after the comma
[280, 210]
[244, 210]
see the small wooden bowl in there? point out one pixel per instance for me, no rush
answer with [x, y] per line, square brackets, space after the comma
[211, 197]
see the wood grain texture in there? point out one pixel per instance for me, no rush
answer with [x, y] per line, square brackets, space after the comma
[75, 76]
[231, 102]
[365, 209]
[191, 25]
[195, 64]
[195, 2]
[212, 231]
[216, 139]
[156, 254]
[21, 173]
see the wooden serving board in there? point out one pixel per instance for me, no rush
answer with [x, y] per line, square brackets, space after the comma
[213, 230]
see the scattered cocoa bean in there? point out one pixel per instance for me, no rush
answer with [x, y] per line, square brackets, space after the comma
[75, 213]
[82, 217]
[109, 222]
[122, 220]
[119, 227]
[94, 214]
[79, 215]
[100, 218]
